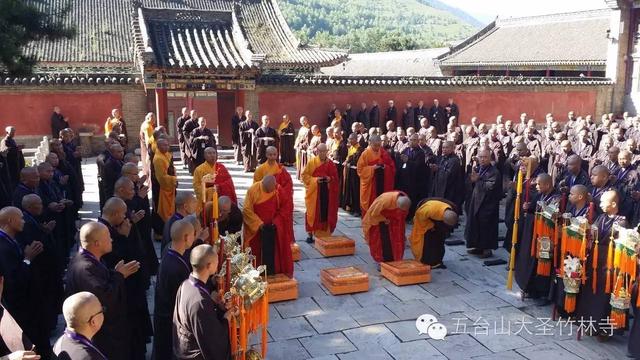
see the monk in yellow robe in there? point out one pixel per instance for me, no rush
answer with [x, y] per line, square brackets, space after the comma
[165, 174]
[219, 177]
[377, 172]
[265, 227]
[322, 191]
[146, 138]
[384, 224]
[432, 224]
[115, 120]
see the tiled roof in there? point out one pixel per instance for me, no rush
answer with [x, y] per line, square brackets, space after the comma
[244, 31]
[193, 39]
[394, 63]
[103, 35]
[69, 80]
[460, 81]
[578, 38]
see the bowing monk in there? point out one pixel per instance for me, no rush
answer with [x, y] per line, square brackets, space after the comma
[432, 224]
[265, 228]
[383, 226]
[220, 178]
[376, 170]
[322, 189]
[166, 176]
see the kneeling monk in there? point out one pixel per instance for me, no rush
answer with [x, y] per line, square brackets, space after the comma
[322, 189]
[429, 230]
[265, 227]
[383, 226]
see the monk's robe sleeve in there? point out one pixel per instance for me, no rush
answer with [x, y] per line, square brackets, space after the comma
[207, 323]
[197, 182]
[365, 171]
[311, 189]
[251, 220]
[259, 173]
[161, 166]
[225, 183]
[107, 127]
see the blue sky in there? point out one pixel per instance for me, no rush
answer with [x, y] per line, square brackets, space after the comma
[486, 10]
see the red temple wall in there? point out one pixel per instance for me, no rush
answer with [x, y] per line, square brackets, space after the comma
[486, 105]
[31, 112]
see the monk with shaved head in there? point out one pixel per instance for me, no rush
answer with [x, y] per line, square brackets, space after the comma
[16, 266]
[377, 171]
[186, 204]
[212, 174]
[433, 221]
[86, 272]
[593, 299]
[197, 315]
[448, 176]
[264, 137]
[384, 224]
[84, 315]
[600, 182]
[484, 195]
[200, 139]
[29, 182]
[174, 269]
[322, 191]
[267, 227]
[165, 177]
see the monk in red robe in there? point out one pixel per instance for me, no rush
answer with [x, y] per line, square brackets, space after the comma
[285, 185]
[383, 226]
[377, 171]
[322, 191]
[265, 227]
[215, 174]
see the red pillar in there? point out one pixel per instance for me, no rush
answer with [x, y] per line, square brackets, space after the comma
[161, 107]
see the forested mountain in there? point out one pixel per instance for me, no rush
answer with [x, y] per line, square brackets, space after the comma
[377, 25]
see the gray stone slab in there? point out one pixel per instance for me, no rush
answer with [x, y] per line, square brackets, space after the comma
[406, 330]
[287, 349]
[590, 348]
[344, 261]
[328, 344]
[447, 305]
[409, 292]
[483, 300]
[367, 337]
[414, 350]
[328, 357]
[330, 321]
[461, 346]
[499, 343]
[507, 355]
[369, 354]
[375, 296]
[409, 310]
[545, 352]
[444, 289]
[315, 264]
[339, 302]
[373, 315]
[310, 289]
[285, 329]
[299, 307]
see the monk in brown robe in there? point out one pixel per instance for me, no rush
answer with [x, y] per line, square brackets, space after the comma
[286, 134]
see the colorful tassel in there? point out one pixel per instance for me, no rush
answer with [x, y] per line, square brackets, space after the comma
[570, 303]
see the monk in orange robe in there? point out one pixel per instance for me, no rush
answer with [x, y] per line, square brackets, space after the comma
[165, 174]
[377, 171]
[383, 226]
[217, 175]
[285, 185]
[322, 191]
[265, 228]
[432, 224]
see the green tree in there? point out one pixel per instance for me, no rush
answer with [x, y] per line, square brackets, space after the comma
[22, 22]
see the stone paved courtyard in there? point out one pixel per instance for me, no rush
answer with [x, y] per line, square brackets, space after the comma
[484, 320]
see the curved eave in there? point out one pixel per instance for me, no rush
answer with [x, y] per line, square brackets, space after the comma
[71, 80]
[430, 81]
[526, 63]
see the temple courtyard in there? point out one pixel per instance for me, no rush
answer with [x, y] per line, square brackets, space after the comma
[482, 318]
